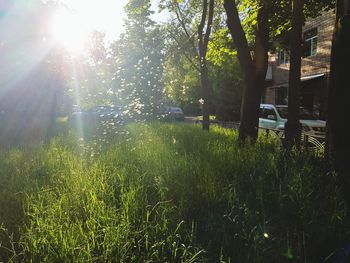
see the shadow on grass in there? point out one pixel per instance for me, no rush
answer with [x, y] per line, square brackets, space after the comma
[169, 193]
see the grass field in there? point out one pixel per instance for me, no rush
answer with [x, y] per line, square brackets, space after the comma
[166, 193]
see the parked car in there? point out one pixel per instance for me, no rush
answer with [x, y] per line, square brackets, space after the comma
[172, 113]
[275, 116]
[103, 113]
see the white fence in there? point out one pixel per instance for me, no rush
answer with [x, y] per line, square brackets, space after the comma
[316, 143]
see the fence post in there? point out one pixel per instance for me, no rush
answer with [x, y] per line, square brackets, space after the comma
[306, 141]
[267, 133]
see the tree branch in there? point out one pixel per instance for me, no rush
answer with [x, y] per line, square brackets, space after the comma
[262, 41]
[184, 53]
[238, 35]
[200, 32]
[180, 18]
[209, 26]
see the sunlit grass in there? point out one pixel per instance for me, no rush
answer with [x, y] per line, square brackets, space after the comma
[165, 193]
[211, 117]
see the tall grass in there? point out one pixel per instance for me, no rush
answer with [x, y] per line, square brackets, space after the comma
[167, 193]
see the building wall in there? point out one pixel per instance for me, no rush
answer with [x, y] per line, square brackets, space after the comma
[320, 63]
[269, 96]
[317, 64]
[280, 72]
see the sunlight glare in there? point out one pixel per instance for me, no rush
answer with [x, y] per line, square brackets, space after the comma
[78, 18]
[70, 30]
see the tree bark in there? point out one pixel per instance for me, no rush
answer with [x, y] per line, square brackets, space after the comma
[254, 70]
[203, 41]
[338, 139]
[293, 126]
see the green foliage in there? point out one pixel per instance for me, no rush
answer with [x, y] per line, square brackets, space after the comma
[182, 81]
[280, 17]
[167, 193]
[220, 48]
[88, 76]
[127, 72]
[182, 77]
[138, 58]
[182, 72]
[226, 76]
[280, 13]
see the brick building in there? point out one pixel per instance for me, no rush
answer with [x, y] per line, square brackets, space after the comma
[317, 35]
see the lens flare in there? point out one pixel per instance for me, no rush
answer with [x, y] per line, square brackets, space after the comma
[77, 19]
[70, 30]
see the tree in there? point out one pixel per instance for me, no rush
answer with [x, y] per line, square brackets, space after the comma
[260, 22]
[338, 104]
[137, 59]
[181, 70]
[182, 80]
[203, 40]
[254, 67]
[89, 75]
[293, 125]
[225, 75]
[197, 51]
[30, 72]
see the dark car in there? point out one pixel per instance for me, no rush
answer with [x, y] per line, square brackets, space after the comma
[172, 113]
[99, 114]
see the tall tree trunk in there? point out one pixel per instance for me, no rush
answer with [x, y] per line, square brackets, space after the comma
[203, 40]
[338, 100]
[254, 70]
[293, 126]
[206, 96]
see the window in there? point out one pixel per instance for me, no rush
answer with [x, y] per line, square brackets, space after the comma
[304, 114]
[266, 112]
[283, 57]
[261, 113]
[281, 94]
[310, 38]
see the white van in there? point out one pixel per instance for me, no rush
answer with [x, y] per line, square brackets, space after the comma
[275, 116]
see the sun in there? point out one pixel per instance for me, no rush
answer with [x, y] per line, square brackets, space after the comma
[74, 22]
[70, 30]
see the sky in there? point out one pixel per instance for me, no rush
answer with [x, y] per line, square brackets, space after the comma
[28, 31]
[85, 15]
[106, 15]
